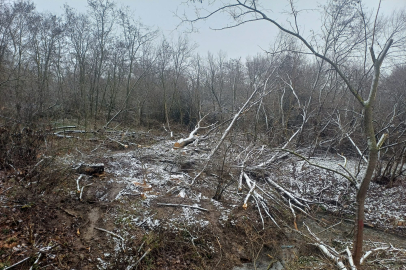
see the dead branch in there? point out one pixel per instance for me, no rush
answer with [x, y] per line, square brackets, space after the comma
[294, 215]
[36, 262]
[4, 191]
[356, 147]
[142, 257]
[32, 170]
[327, 250]
[65, 127]
[259, 211]
[389, 248]
[61, 133]
[293, 198]
[350, 260]
[321, 167]
[111, 233]
[183, 205]
[260, 199]
[192, 136]
[336, 259]
[20, 262]
[240, 178]
[248, 196]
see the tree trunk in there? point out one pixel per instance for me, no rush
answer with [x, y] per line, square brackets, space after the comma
[373, 148]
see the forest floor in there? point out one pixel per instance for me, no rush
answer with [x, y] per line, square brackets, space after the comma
[142, 212]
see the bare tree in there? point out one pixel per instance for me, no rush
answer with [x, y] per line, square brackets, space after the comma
[22, 12]
[135, 36]
[46, 30]
[80, 40]
[104, 18]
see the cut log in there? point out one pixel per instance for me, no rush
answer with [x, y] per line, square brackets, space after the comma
[91, 169]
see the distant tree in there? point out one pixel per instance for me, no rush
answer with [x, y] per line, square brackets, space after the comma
[46, 31]
[104, 18]
[80, 41]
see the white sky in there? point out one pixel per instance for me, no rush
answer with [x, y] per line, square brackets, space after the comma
[242, 41]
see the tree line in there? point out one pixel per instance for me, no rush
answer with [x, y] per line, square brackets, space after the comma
[102, 67]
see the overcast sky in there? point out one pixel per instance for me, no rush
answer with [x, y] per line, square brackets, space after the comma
[248, 39]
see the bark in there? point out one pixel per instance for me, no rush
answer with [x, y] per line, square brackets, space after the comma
[373, 148]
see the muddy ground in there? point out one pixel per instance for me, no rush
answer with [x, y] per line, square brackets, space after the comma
[143, 212]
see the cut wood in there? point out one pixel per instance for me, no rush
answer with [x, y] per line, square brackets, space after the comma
[91, 169]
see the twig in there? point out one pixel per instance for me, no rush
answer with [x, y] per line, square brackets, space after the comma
[221, 255]
[111, 233]
[142, 257]
[332, 226]
[20, 262]
[183, 205]
[36, 261]
[32, 169]
[69, 213]
[4, 191]
[140, 247]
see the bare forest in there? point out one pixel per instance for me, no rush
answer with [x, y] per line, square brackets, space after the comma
[123, 148]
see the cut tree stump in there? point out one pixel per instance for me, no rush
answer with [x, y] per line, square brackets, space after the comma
[91, 169]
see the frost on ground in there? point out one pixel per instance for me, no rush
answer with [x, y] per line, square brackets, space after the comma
[157, 176]
[385, 207]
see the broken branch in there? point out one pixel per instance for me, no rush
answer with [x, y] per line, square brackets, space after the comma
[111, 233]
[20, 262]
[183, 205]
